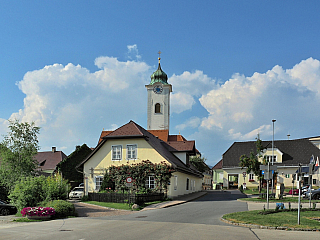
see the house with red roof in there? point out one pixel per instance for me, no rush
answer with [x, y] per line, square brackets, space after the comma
[48, 160]
[132, 144]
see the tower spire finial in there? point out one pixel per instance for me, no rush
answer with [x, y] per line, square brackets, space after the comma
[159, 56]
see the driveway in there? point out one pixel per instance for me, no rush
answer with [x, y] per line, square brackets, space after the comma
[89, 210]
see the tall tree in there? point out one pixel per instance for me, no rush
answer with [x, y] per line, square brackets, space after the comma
[68, 166]
[252, 163]
[17, 151]
[199, 163]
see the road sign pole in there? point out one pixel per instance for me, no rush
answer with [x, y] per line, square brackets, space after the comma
[268, 185]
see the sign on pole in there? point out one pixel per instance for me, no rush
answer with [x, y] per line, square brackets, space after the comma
[129, 182]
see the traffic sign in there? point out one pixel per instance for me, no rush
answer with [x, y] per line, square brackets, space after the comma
[129, 180]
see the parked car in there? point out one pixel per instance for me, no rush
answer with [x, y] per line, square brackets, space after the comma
[305, 188]
[77, 192]
[315, 194]
[7, 209]
[294, 192]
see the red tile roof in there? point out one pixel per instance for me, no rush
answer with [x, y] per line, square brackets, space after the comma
[103, 134]
[165, 149]
[49, 160]
[218, 165]
[161, 134]
[185, 146]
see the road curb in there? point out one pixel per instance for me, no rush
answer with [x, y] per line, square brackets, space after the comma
[267, 227]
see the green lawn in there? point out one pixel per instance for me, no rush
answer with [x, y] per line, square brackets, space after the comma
[123, 206]
[278, 219]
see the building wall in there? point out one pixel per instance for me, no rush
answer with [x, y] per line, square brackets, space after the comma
[102, 160]
[217, 178]
[284, 176]
[195, 184]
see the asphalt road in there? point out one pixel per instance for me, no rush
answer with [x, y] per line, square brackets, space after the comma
[198, 219]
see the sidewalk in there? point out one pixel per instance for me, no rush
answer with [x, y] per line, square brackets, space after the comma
[176, 201]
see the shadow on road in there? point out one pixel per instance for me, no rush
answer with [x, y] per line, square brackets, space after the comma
[221, 195]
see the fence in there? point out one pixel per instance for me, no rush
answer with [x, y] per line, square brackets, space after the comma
[125, 197]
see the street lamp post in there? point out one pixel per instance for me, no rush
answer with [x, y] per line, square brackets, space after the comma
[273, 120]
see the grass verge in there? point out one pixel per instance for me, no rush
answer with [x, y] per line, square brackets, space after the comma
[122, 206]
[289, 219]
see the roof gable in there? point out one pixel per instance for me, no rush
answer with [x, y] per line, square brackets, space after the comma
[133, 130]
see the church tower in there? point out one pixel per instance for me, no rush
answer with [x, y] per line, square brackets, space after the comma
[159, 100]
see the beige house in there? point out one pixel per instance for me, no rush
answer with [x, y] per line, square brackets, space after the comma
[286, 155]
[131, 144]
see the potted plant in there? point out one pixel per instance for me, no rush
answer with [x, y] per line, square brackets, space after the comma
[38, 212]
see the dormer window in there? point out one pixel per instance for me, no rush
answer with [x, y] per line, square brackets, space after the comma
[269, 158]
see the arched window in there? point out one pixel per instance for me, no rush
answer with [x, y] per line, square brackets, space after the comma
[157, 108]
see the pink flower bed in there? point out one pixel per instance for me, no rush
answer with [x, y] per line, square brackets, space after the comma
[38, 211]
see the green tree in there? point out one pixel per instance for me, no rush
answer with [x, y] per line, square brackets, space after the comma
[252, 163]
[199, 163]
[30, 191]
[17, 151]
[68, 166]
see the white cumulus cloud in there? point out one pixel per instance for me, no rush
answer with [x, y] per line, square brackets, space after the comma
[72, 104]
[187, 87]
[243, 106]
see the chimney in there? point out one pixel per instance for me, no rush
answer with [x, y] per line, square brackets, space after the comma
[54, 149]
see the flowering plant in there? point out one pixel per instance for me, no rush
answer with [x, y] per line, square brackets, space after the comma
[38, 211]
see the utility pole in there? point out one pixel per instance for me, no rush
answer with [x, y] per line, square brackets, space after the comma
[299, 187]
[273, 120]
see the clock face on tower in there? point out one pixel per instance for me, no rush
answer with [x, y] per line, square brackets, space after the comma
[157, 89]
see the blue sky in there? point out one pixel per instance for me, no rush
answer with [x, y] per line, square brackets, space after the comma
[76, 67]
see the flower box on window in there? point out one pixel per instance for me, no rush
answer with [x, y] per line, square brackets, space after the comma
[251, 180]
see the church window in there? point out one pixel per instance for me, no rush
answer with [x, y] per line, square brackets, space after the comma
[157, 108]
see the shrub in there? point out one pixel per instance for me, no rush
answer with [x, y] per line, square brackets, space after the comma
[56, 187]
[63, 208]
[29, 192]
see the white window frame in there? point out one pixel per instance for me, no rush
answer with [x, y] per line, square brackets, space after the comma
[132, 156]
[269, 158]
[150, 182]
[98, 183]
[175, 186]
[251, 177]
[118, 154]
